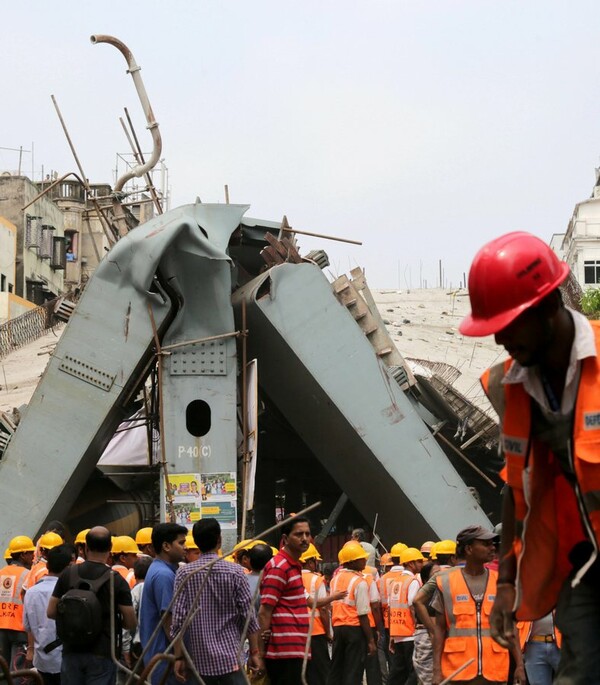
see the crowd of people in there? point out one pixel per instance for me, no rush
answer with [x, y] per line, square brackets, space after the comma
[413, 615]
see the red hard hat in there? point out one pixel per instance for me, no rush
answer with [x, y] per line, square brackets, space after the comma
[509, 275]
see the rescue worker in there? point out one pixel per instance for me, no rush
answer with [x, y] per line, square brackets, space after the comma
[192, 552]
[463, 601]
[79, 543]
[317, 669]
[143, 539]
[240, 553]
[373, 669]
[546, 395]
[352, 635]
[426, 548]
[540, 643]
[13, 638]
[402, 620]
[46, 542]
[385, 583]
[124, 553]
[385, 563]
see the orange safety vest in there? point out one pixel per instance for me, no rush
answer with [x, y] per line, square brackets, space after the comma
[343, 611]
[385, 583]
[468, 626]
[11, 600]
[312, 583]
[370, 580]
[127, 574]
[525, 628]
[38, 570]
[402, 620]
[552, 515]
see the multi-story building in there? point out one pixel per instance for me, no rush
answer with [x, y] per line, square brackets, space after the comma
[11, 304]
[40, 241]
[580, 245]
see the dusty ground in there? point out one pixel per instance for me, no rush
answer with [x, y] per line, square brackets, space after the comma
[431, 333]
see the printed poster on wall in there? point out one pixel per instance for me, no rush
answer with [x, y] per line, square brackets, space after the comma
[219, 498]
[185, 489]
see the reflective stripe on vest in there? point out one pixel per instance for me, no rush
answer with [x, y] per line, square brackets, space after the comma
[552, 515]
[11, 601]
[38, 571]
[468, 635]
[384, 590]
[370, 580]
[343, 611]
[312, 583]
[402, 621]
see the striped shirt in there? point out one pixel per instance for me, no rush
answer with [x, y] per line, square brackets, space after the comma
[282, 588]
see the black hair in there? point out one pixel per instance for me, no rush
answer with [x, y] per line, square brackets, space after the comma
[59, 558]
[141, 566]
[444, 559]
[358, 534]
[426, 571]
[166, 532]
[56, 527]
[99, 541]
[288, 526]
[259, 555]
[206, 533]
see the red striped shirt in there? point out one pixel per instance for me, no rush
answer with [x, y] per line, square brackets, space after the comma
[282, 588]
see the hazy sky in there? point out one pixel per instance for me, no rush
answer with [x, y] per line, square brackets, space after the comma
[422, 128]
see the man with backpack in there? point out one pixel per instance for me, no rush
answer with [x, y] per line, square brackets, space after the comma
[80, 604]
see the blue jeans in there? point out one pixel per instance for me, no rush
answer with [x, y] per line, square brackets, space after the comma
[87, 669]
[541, 662]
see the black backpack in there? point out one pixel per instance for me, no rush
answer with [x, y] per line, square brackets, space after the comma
[79, 613]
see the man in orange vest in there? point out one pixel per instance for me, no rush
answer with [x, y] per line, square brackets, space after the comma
[317, 669]
[548, 400]
[463, 602]
[401, 616]
[352, 635]
[124, 552]
[13, 638]
[46, 542]
[392, 574]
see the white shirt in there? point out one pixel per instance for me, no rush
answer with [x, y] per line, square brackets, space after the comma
[584, 345]
[43, 628]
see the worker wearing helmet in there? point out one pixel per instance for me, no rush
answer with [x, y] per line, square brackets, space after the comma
[317, 669]
[352, 635]
[546, 395]
[143, 539]
[124, 553]
[192, 551]
[426, 548]
[79, 543]
[391, 576]
[13, 638]
[385, 564]
[401, 616]
[46, 542]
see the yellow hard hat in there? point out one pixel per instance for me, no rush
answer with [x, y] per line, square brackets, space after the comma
[80, 539]
[246, 545]
[311, 553]
[50, 540]
[274, 550]
[21, 543]
[386, 559]
[189, 542]
[397, 549]
[426, 547]
[230, 558]
[433, 552]
[445, 547]
[351, 551]
[7, 554]
[124, 544]
[143, 536]
[411, 554]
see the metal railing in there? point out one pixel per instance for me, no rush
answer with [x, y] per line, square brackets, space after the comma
[26, 328]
